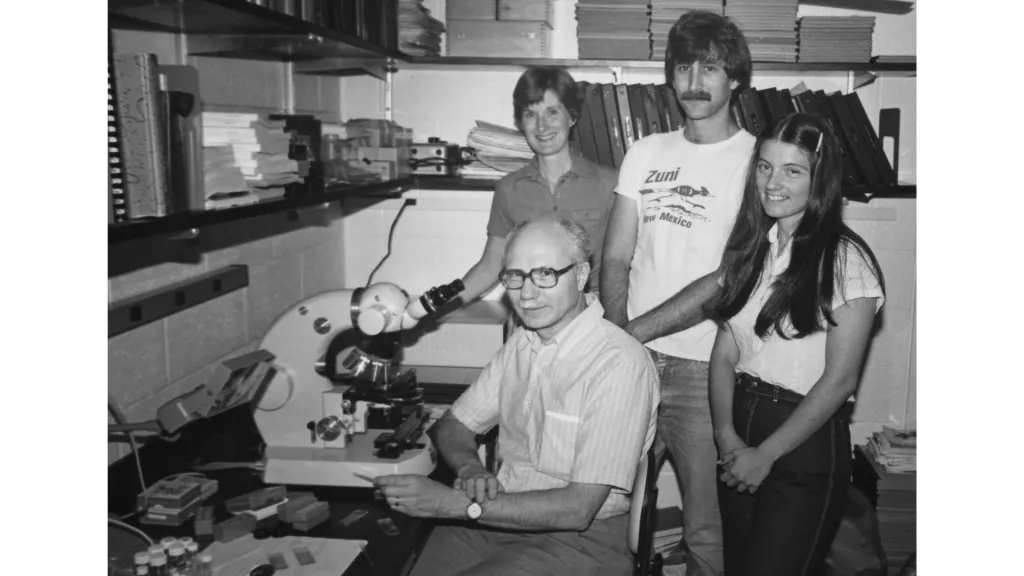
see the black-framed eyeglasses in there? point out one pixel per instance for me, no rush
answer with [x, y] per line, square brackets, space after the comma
[542, 277]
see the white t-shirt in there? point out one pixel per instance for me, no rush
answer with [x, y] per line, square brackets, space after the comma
[795, 364]
[687, 198]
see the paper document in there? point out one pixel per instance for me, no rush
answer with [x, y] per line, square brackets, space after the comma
[330, 556]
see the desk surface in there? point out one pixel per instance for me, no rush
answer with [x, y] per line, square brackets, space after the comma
[388, 555]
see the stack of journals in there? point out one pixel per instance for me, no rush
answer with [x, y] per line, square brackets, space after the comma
[836, 39]
[419, 34]
[664, 14]
[895, 498]
[613, 29]
[499, 151]
[259, 149]
[769, 26]
[668, 529]
[895, 450]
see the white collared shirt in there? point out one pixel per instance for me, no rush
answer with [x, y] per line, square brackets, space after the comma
[795, 364]
[580, 408]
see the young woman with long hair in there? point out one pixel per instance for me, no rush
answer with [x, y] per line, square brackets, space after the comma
[799, 295]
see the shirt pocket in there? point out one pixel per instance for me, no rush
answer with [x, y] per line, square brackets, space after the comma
[557, 448]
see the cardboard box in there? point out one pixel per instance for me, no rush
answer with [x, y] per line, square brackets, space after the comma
[471, 10]
[497, 39]
[525, 11]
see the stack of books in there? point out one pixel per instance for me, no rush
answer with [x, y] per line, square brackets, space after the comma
[664, 14]
[836, 39]
[895, 498]
[895, 450]
[419, 34]
[668, 530]
[613, 29]
[259, 149]
[769, 26]
[499, 151]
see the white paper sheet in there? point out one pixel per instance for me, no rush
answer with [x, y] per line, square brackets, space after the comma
[237, 557]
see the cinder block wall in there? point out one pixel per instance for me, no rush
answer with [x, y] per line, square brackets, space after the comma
[289, 257]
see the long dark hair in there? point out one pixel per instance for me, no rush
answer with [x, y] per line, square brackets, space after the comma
[803, 293]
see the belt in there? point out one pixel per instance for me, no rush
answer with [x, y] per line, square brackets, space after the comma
[756, 386]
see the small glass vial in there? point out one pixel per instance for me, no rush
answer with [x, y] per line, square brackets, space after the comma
[141, 558]
[156, 549]
[167, 542]
[158, 565]
[141, 571]
[192, 555]
[176, 557]
[205, 565]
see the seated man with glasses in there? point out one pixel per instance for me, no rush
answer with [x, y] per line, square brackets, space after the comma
[575, 400]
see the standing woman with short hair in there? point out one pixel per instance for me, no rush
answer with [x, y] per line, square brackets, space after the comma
[799, 298]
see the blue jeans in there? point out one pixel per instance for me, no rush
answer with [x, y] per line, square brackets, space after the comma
[788, 525]
[684, 426]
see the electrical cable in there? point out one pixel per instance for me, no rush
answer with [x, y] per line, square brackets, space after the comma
[391, 234]
[119, 418]
[131, 529]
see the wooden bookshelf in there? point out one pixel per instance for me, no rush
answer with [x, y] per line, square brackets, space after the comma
[443, 62]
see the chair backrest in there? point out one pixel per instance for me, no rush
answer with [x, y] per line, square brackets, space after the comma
[643, 509]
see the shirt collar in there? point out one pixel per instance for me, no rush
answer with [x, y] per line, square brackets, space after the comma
[580, 326]
[581, 167]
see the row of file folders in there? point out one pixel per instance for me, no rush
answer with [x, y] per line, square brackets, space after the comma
[614, 116]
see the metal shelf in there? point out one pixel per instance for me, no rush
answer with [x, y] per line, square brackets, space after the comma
[422, 62]
[238, 29]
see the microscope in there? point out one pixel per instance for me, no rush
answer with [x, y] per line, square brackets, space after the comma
[337, 407]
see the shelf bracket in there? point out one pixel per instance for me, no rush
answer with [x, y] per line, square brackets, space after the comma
[616, 74]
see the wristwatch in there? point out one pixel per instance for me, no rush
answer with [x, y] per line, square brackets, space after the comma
[474, 510]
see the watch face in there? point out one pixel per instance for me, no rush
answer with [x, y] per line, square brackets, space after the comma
[474, 511]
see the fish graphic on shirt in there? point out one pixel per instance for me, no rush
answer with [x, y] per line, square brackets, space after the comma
[676, 199]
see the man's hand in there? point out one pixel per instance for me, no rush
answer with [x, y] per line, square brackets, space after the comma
[422, 497]
[746, 468]
[478, 484]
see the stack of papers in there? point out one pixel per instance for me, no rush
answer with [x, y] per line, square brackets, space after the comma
[668, 529]
[895, 450]
[836, 38]
[419, 33]
[613, 30]
[664, 14]
[769, 26]
[499, 150]
[259, 147]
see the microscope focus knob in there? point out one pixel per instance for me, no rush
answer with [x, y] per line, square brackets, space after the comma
[373, 320]
[330, 428]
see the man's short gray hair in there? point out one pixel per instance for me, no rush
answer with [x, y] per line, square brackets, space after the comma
[578, 237]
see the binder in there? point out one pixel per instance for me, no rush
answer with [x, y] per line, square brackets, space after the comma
[625, 116]
[116, 198]
[583, 134]
[654, 118]
[599, 126]
[868, 135]
[750, 108]
[611, 117]
[865, 166]
[772, 106]
[821, 106]
[143, 141]
[668, 94]
[636, 109]
[787, 101]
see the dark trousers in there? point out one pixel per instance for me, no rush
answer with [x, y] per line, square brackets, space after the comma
[786, 528]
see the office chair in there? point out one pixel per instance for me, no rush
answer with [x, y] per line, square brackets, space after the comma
[643, 514]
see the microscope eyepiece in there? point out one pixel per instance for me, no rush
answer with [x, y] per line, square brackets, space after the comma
[435, 298]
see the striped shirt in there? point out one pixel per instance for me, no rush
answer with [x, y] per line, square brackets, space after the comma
[581, 408]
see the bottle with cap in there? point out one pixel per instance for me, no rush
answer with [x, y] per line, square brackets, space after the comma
[141, 558]
[192, 555]
[142, 571]
[176, 557]
[158, 565]
[156, 549]
[205, 566]
[166, 542]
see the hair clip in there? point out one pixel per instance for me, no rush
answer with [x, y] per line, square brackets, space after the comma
[817, 149]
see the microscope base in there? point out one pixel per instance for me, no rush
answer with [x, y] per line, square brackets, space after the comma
[316, 466]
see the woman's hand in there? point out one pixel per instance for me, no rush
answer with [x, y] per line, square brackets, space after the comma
[746, 468]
